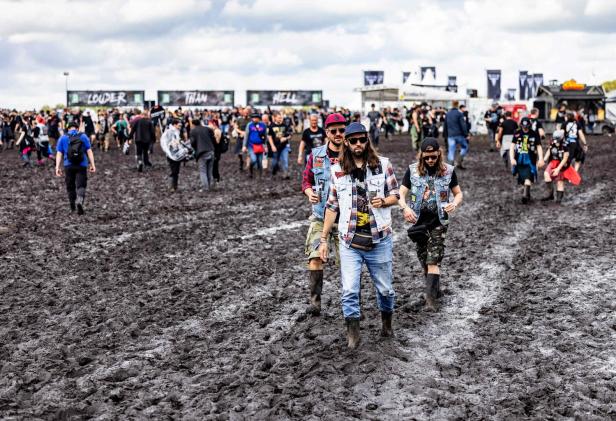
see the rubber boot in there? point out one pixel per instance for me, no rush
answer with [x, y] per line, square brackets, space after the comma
[73, 207]
[252, 169]
[352, 326]
[79, 203]
[386, 331]
[526, 194]
[316, 286]
[460, 166]
[241, 159]
[431, 291]
[559, 196]
[550, 192]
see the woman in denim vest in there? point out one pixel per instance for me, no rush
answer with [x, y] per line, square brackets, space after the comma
[430, 182]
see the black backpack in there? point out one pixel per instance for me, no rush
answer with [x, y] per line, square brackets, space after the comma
[76, 149]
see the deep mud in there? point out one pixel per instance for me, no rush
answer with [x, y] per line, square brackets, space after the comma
[192, 306]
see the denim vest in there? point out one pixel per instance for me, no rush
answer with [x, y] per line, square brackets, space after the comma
[347, 201]
[441, 189]
[321, 168]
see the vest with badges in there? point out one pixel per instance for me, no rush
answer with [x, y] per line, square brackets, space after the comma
[347, 202]
[441, 190]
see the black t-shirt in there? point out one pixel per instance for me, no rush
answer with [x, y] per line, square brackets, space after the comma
[277, 132]
[429, 211]
[509, 127]
[560, 117]
[493, 117]
[558, 147]
[571, 130]
[156, 114]
[363, 209]
[535, 124]
[313, 139]
[526, 142]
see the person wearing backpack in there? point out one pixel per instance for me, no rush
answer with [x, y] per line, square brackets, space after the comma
[75, 151]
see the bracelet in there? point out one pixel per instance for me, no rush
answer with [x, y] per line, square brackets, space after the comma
[323, 240]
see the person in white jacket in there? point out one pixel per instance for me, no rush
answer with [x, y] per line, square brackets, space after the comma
[176, 151]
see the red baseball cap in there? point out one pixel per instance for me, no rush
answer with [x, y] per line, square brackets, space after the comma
[335, 118]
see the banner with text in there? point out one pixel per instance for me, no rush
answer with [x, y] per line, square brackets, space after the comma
[373, 77]
[511, 94]
[196, 98]
[284, 98]
[494, 84]
[104, 98]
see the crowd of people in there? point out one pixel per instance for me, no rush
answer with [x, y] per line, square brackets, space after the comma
[349, 186]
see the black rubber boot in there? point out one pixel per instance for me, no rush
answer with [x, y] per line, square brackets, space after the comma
[316, 286]
[526, 195]
[73, 207]
[431, 291]
[352, 326]
[550, 192]
[387, 331]
[79, 203]
[559, 196]
[252, 170]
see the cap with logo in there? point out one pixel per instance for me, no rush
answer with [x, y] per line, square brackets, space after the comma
[335, 118]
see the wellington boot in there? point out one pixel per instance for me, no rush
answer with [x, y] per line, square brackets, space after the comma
[386, 331]
[526, 195]
[550, 192]
[559, 196]
[460, 165]
[316, 286]
[431, 292]
[352, 326]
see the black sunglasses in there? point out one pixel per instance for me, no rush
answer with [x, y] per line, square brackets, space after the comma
[338, 131]
[354, 140]
[430, 157]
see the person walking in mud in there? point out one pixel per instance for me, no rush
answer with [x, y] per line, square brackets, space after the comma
[363, 188]
[504, 136]
[431, 182]
[255, 140]
[315, 186]
[559, 169]
[526, 156]
[75, 152]
[457, 134]
[575, 135]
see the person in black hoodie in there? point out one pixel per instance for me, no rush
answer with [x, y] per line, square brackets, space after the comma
[144, 135]
[203, 140]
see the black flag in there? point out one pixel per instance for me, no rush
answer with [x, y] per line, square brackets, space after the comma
[405, 76]
[427, 70]
[494, 84]
[373, 77]
[523, 79]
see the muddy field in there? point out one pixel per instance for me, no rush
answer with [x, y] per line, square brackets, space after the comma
[191, 305]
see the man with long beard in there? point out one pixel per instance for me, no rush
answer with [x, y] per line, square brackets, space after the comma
[362, 189]
[315, 186]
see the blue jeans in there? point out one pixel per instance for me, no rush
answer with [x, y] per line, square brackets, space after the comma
[281, 157]
[255, 158]
[452, 143]
[379, 264]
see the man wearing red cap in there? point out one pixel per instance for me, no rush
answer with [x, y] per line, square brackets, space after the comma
[315, 186]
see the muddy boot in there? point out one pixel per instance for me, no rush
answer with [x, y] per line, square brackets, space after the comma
[386, 331]
[459, 165]
[316, 286]
[526, 195]
[431, 292]
[439, 291]
[79, 202]
[251, 170]
[352, 326]
[559, 196]
[550, 192]
[73, 206]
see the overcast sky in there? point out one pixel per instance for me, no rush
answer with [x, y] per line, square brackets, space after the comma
[293, 44]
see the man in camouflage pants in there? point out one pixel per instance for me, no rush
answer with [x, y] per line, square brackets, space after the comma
[430, 182]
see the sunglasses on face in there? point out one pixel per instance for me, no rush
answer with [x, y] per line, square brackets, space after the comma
[354, 140]
[430, 157]
[336, 131]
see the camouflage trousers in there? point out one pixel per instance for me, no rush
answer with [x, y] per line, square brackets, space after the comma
[431, 251]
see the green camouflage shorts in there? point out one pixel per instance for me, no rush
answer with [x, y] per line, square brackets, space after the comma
[313, 240]
[431, 252]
